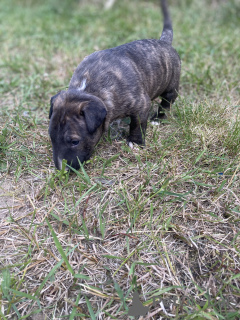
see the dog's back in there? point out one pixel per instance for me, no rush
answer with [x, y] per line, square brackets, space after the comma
[132, 71]
[129, 70]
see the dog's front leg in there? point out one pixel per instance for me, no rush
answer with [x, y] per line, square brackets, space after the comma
[139, 120]
[137, 130]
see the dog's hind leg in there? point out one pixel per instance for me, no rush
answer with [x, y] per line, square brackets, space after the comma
[168, 98]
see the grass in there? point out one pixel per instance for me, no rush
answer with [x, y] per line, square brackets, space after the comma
[163, 220]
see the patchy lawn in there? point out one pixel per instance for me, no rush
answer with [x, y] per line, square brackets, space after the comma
[163, 220]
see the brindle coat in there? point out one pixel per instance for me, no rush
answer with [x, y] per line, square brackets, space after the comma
[111, 84]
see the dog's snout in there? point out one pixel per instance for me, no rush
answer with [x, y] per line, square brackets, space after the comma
[59, 164]
[71, 161]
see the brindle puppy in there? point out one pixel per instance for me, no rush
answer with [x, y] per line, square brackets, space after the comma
[111, 84]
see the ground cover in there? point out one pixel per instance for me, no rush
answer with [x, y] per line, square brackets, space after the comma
[163, 220]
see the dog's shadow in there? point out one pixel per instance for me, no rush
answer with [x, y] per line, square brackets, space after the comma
[119, 129]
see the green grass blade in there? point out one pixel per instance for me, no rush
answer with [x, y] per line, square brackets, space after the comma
[85, 194]
[74, 310]
[6, 282]
[51, 273]
[60, 249]
[81, 276]
[2, 316]
[120, 294]
[23, 294]
[91, 313]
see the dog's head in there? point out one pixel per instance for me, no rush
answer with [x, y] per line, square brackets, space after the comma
[76, 125]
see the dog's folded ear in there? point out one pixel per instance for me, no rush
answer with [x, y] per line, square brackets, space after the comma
[51, 103]
[94, 114]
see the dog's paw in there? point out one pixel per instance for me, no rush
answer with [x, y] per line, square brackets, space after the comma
[155, 123]
[134, 146]
[130, 144]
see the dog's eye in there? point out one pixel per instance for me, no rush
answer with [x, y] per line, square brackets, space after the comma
[75, 142]
[81, 113]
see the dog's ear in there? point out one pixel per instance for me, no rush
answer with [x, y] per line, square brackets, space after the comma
[94, 114]
[51, 103]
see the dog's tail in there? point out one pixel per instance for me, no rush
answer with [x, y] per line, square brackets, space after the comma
[167, 33]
